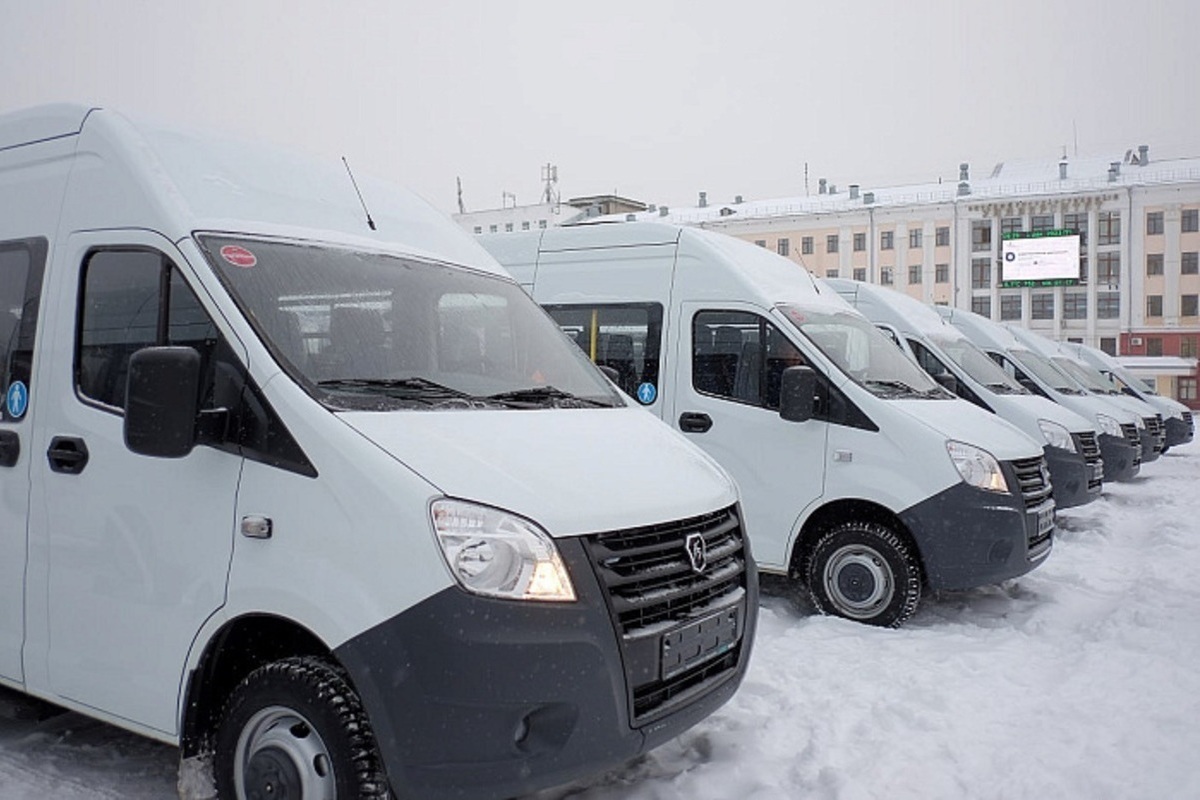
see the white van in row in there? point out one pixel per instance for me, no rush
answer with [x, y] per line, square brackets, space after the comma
[1069, 441]
[1177, 418]
[860, 476]
[1119, 428]
[320, 495]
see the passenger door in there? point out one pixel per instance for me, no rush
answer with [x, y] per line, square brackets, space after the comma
[728, 365]
[134, 550]
[22, 264]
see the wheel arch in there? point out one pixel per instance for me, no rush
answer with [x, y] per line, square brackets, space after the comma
[842, 510]
[239, 647]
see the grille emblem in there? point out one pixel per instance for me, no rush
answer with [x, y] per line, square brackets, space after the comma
[697, 551]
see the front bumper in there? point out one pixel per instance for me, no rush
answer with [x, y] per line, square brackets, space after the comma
[1122, 460]
[969, 537]
[1075, 480]
[472, 697]
[1179, 431]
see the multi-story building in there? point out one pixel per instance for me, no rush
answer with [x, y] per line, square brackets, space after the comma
[1138, 219]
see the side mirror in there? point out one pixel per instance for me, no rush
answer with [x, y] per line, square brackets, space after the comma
[947, 381]
[797, 392]
[161, 404]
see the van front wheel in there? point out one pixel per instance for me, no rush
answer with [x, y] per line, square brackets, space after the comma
[865, 572]
[296, 729]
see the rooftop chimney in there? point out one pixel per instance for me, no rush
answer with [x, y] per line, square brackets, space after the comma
[821, 186]
[663, 211]
[854, 191]
[704, 199]
[1114, 169]
[1062, 170]
[737, 199]
[964, 170]
[630, 217]
[964, 188]
[1143, 154]
[832, 189]
[869, 198]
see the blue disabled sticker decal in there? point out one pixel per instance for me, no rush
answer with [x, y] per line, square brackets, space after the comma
[646, 393]
[17, 400]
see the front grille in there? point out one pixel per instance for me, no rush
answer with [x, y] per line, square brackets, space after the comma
[1089, 447]
[1187, 420]
[653, 589]
[1154, 425]
[1033, 482]
[1131, 435]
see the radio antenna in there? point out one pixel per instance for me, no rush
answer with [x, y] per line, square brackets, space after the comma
[354, 183]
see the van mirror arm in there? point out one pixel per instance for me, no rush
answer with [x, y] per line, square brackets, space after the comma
[797, 394]
[212, 425]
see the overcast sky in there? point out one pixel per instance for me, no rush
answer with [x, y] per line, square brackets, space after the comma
[655, 100]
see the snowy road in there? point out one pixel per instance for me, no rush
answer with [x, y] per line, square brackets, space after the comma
[1077, 681]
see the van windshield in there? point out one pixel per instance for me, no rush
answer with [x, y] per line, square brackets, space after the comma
[1085, 376]
[367, 331]
[973, 361]
[1046, 372]
[864, 353]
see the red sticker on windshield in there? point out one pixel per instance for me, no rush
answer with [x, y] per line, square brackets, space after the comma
[238, 256]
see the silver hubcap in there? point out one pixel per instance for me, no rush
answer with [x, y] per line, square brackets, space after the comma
[280, 756]
[858, 582]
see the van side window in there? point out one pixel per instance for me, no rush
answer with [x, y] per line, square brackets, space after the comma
[740, 356]
[626, 337]
[21, 267]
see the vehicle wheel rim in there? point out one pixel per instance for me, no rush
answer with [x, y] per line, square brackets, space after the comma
[858, 582]
[280, 756]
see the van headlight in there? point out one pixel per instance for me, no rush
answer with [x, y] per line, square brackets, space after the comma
[1110, 426]
[1056, 435]
[977, 467]
[498, 554]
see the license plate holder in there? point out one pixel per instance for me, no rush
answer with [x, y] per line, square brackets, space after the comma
[699, 641]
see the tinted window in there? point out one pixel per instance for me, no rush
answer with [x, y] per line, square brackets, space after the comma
[740, 356]
[21, 266]
[626, 337]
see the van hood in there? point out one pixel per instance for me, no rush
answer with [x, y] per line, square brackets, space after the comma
[1041, 408]
[969, 424]
[573, 471]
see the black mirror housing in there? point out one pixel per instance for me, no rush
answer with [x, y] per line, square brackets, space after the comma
[797, 393]
[947, 381]
[162, 403]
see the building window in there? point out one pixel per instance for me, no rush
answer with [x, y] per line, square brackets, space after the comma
[1187, 347]
[525, 225]
[1190, 265]
[1075, 305]
[1108, 268]
[806, 246]
[508, 226]
[1083, 269]
[831, 243]
[1154, 223]
[1154, 263]
[1187, 389]
[1011, 225]
[1041, 305]
[981, 235]
[1187, 305]
[1154, 305]
[1108, 224]
[541, 223]
[1108, 344]
[1079, 224]
[982, 306]
[783, 247]
[885, 276]
[1108, 305]
[1190, 220]
[493, 228]
[860, 273]
[981, 273]
[916, 238]
[860, 242]
[914, 273]
[1041, 222]
[479, 229]
[941, 237]
[831, 273]
[761, 242]
[1010, 306]
[941, 273]
[1154, 346]
[886, 240]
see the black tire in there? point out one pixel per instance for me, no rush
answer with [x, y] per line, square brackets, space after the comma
[295, 729]
[864, 571]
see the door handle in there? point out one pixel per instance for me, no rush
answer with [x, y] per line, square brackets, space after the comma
[10, 448]
[67, 454]
[694, 422]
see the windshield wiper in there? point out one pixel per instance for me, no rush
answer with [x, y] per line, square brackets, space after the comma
[895, 389]
[412, 388]
[1004, 388]
[540, 396]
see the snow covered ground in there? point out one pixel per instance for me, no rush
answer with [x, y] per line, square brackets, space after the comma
[1080, 680]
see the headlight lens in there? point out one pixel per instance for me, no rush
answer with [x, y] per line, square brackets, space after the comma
[1056, 435]
[977, 467]
[498, 554]
[1109, 426]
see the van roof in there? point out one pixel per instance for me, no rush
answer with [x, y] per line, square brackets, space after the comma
[980, 330]
[889, 306]
[145, 175]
